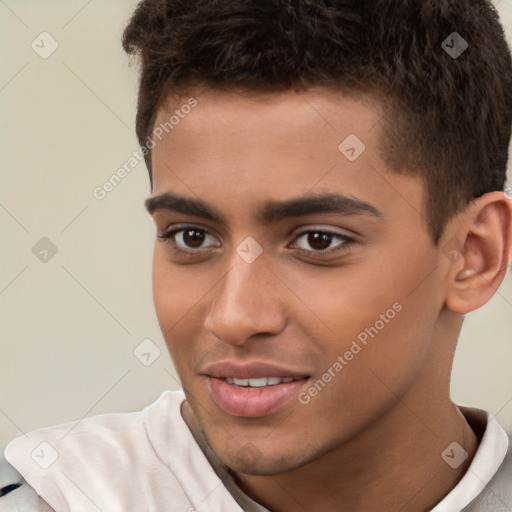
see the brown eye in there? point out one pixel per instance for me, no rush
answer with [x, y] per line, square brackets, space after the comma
[319, 241]
[193, 237]
[188, 238]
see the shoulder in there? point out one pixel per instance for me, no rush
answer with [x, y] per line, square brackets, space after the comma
[109, 436]
[95, 434]
[16, 494]
[93, 458]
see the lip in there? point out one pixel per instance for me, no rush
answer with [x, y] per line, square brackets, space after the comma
[247, 401]
[251, 370]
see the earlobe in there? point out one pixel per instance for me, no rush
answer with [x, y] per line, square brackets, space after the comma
[486, 235]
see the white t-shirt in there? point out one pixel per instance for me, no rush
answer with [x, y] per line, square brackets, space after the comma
[151, 461]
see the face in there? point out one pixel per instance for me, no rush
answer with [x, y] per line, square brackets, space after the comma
[294, 279]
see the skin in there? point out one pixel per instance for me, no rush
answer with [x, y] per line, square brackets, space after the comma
[372, 439]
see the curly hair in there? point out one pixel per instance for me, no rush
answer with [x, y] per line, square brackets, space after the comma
[448, 118]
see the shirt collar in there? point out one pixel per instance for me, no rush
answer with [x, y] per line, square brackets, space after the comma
[488, 458]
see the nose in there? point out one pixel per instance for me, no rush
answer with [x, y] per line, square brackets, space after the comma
[246, 302]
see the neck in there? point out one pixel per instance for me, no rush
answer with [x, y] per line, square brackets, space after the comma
[395, 464]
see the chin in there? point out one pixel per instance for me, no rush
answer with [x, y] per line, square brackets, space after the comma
[262, 467]
[251, 461]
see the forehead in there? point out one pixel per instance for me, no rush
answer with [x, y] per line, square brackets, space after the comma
[247, 133]
[229, 110]
[240, 149]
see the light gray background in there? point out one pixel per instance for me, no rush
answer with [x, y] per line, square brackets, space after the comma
[69, 326]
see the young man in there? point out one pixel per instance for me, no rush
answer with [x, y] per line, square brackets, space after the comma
[328, 185]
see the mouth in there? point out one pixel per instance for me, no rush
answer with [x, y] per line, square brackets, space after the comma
[259, 382]
[253, 390]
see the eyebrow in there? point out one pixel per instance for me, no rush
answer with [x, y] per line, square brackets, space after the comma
[271, 211]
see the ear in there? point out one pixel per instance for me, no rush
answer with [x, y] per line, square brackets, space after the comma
[480, 251]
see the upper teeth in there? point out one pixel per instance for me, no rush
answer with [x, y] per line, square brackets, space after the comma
[259, 382]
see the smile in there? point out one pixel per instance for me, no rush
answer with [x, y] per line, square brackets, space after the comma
[258, 382]
[253, 388]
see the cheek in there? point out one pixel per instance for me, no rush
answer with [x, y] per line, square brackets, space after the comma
[176, 289]
[177, 298]
[165, 291]
[379, 314]
[377, 373]
[368, 292]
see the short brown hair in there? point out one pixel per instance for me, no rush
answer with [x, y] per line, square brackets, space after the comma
[448, 117]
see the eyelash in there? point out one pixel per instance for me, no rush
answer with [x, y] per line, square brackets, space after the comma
[344, 247]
